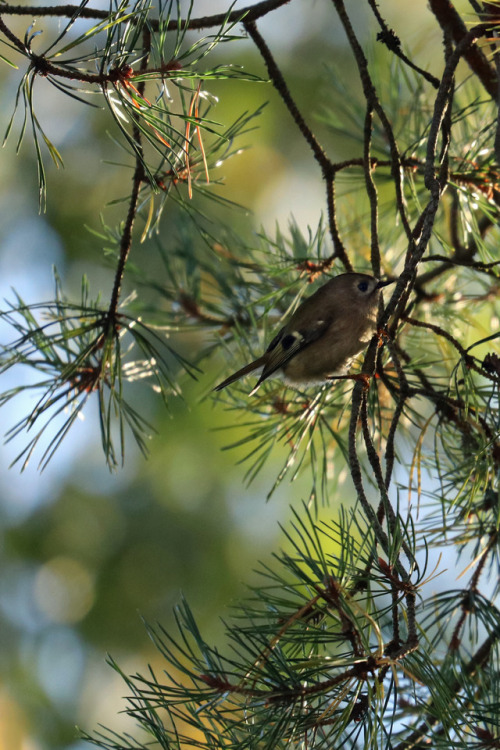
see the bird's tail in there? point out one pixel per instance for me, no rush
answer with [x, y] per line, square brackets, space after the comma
[240, 373]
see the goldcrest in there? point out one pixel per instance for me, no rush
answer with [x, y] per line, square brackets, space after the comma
[323, 335]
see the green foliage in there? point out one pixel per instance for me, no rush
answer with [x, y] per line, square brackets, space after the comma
[77, 353]
[80, 359]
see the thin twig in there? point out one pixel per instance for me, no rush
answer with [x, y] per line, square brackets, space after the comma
[251, 13]
[471, 591]
[371, 191]
[404, 391]
[468, 359]
[434, 183]
[450, 21]
[372, 100]
[357, 412]
[388, 37]
[420, 736]
[40, 64]
[324, 162]
[385, 507]
[137, 180]
[338, 245]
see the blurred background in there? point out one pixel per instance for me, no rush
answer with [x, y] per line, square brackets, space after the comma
[85, 553]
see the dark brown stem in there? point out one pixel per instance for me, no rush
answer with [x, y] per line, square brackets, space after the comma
[373, 101]
[463, 254]
[138, 178]
[250, 13]
[358, 412]
[339, 247]
[467, 358]
[451, 22]
[388, 37]
[324, 162]
[44, 67]
[440, 123]
[371, 191]
[402, 397]
[478, 265]
[12, 37]
[281, 87]
[447, 407]
[385, 506]
[469, 593]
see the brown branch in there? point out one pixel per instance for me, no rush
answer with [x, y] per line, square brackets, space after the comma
[463, 254]
[450, 408]
[402, 397]
[372, 100]
[250, 13]
[469, 593]
[281, 87]
[435, 183]
[451, 22]
[468, 359]
[332, 596]
[478, 265]
[446, 406]
[447, 263]
[137, 180]
[116, 75]
[385, 506]
[371, 191]
[41, 65]
[12, 37]
[360, 670]
[358, 406]
[339, 247]
[388, 37]
[324, 162]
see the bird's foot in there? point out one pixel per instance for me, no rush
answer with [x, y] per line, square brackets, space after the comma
[383, 336]
[361, 376]
[364, 378]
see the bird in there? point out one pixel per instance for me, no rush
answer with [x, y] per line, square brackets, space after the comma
[323, 335]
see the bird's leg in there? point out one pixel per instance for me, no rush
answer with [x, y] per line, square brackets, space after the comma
[362, 376]
[383, 335]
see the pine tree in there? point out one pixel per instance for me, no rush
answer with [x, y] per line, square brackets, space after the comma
[344, 643]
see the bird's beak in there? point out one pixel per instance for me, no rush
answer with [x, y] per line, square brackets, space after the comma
[385, 283]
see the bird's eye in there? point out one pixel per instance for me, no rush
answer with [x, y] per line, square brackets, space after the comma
[363, 286]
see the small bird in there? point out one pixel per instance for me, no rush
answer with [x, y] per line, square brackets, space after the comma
[323, 335]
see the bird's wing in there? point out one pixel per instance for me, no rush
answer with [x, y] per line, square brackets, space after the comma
[289, 342]
[240, 373]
